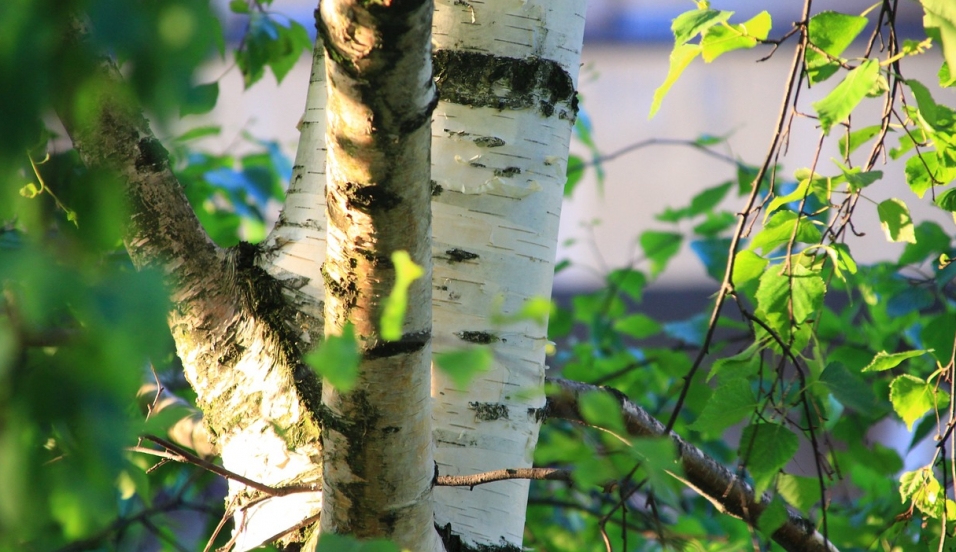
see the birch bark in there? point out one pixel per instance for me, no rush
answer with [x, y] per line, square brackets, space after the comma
[377, 449]
[507, 73]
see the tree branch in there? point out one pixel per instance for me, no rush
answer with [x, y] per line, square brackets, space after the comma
[728, 493]
[550, 474]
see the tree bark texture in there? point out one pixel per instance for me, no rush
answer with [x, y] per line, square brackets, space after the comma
[506, 72]
[377, 438]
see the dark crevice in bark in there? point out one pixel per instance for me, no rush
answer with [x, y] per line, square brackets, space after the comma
[481, 338]
[409, 343]
[488, 411]
[479, 79]
[460, 255]
[453, 542]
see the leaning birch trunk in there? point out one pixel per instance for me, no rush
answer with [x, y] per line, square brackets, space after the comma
[506, 72]
[377, 449]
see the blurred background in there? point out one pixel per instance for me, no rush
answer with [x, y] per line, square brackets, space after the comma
[625, 59]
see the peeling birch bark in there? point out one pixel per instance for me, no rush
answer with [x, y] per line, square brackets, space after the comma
[506, 72]
[378, 467]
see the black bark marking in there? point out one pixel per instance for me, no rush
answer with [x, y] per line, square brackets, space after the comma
[508, 171]
[484, 80]
[487, 412]
[482, 338]
[373, 197]
[453, 542]
[460, 255]
[489, 142]
[436, 189]
[409, 343]
[152, 157]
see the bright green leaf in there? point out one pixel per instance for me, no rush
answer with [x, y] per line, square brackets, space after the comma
[689, 24]
[831, 32]
[923, 171]
[337, 359]
[464, 364]
[680, 58]
[896, 221]
[781, 296]
[924, 100]
[941, 15]
[779, 229]
[766, 448]
[886, 361]
[720, 39]
[732, 401]
[947, 200]
[748, 266]
[29, 191]
[575, 173]
[843, 99]
[912, 397]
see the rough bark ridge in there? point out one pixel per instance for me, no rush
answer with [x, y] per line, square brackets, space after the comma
[506, 73]
[377, 438]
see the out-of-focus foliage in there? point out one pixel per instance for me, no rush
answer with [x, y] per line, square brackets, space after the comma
[79, 326]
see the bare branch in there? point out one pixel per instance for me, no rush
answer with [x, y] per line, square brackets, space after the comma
[550, 474]
[727, 492]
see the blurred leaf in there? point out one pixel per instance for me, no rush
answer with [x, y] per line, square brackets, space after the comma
[931, 240]
[850, 389]
[773, 517]
[941, 15]
[464, 364]
[857, 138]
[200, 99]
[602, 410]
[337, 359]
[639, 326]
[575, 173]
[732, 401]
[331, 542]
[393, 312]
[801, 492]
[659, 247]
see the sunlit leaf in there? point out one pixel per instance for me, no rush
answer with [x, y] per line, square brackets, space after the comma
[691, 23]
[679, 60]
[801, 492]
[720, 39]
[857, 138]
[337, 359]
[843, 99]
[896, 221]
[913, 397]
[831, 32]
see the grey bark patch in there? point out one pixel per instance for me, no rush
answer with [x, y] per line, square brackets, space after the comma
[482, 338]
[487, 412]
[508, 171]
[460, 255]
[484, 80]
[489, 142]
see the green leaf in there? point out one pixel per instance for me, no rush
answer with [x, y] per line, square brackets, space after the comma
[748, 266]
[706, 200]
[629, 281]
[200, 99]
[850, 389]
[931, 240]
[843, 99]
[896, 221]
[743, 364]
[937, 336]
[857, 138]
[766, 448]
[689, 24]
[831, 32]
[337, 359]
[779, 229]
[886, 361]
[464, 364]
[393, 313]
[602, 410]
[781, 296]
[912, 397]
[680, 58]
[239, 6]
[947, 200]
[715, 223]
[720, 39]
[856, 178]
[773, 517]
[30, 191]
[732, 401]
[659, 247]
[923, 171]
[941, 15]
[199, 132]
[924, 101]
[638, 326]
[535, 309]
[945, 76]
[801, 492]
[575, 173]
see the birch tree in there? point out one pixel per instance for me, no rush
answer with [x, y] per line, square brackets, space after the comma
[431, 165]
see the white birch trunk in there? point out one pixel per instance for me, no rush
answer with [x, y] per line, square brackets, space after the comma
[507, 72]
[377, 449]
